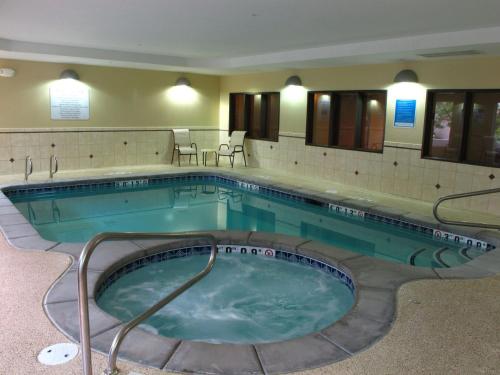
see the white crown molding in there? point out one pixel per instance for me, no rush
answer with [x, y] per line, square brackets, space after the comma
[386, 50]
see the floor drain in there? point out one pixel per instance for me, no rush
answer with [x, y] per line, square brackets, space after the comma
[58, 354]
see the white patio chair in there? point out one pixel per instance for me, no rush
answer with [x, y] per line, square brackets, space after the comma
[183, 145]
[236, 145]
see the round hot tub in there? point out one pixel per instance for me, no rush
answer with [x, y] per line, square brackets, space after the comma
[253, 295]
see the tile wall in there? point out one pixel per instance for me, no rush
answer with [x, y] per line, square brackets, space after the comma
[399, 170]
[84, 149]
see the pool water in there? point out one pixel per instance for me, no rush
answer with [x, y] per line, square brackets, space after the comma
[173, 206]
[244, 299]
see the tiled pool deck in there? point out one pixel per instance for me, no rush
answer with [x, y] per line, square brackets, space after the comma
[370, 319]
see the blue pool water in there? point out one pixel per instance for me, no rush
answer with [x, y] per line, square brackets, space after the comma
[245, 299]
[175, 206]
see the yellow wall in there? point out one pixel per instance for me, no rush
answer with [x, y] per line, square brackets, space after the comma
[122, 97]
[478, 72]
[119, 97]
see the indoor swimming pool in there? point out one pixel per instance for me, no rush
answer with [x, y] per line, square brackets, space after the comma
[76, 212]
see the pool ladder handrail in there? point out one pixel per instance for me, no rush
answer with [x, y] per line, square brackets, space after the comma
[83, 305]
[53, 163]
[28, 167]
[464, 195]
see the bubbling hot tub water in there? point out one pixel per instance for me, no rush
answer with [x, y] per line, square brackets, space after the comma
[245, 299]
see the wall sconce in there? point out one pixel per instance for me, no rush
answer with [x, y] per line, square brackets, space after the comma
[183, 81]
[181, 93]
[69, 73]
[406, 75]
[293, 81]
[7, 72]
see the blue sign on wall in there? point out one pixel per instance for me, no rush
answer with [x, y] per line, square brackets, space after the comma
[405, 113]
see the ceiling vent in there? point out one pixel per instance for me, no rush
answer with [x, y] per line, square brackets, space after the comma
[450, 54]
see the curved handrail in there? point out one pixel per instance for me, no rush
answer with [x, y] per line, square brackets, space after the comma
[55, 163]
[89, 248]
[464, 195]
[28, 167]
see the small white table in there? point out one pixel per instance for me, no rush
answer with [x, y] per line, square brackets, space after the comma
[204, 154]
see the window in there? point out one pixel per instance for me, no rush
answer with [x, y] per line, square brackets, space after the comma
[350, 120]
[322, 118]
[237, 111]
[258, 114]
[463, 126]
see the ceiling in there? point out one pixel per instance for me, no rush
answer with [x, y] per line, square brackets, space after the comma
[227, 36]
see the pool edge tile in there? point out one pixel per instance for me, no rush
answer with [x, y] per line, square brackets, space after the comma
[64, 316]
[356, 332]
[376, 273]
[65, 289]
[320, 250]
[200, 357]
[290, 355]
[138, 346]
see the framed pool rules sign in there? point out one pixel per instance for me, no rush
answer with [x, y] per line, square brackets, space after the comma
[69, 102]
[404, 116]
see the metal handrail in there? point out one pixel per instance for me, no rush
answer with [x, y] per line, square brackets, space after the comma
[83, 305]
[464, 195]
[53, 161]
[28, 162]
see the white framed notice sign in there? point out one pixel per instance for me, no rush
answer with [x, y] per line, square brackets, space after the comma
[69, 102]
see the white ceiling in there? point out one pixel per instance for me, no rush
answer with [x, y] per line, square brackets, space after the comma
[224, 36]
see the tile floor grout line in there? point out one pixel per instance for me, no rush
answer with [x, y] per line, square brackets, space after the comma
[58, 302]
[302, 244]
[50, 248]
[177, 346]
[105, 330]
[437, 274]
[249, 236]
[140, 247]
[342, 262]
[335, 344]
[259, 360]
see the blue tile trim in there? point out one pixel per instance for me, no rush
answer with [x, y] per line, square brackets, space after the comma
[338, 272]
[241, 183]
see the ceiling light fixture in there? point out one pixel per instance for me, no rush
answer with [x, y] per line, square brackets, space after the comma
[293, 81]
[406, 75]
[183, 81]
[69, 73]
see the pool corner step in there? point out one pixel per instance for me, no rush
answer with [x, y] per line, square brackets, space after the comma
[437, 257]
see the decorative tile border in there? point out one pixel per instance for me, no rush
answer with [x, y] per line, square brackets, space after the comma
[452, 237]
[125, 183]
[337, 272]
[346, 211]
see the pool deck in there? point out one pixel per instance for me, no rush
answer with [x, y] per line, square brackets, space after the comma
[435, 331]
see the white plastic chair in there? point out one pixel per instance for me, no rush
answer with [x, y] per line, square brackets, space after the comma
[236, 145]
[183, 145]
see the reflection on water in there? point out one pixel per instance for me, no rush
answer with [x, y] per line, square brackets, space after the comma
[176, 207]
